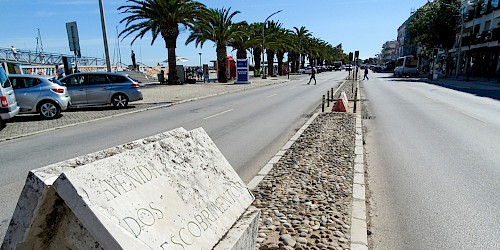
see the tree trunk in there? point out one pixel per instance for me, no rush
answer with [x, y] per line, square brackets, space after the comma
[302, 64]
[280, 56]
[170, 43]
[292, 62]
[256, 58]
[270, 62]
[221, 63]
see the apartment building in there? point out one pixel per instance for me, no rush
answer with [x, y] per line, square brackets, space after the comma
[478, 39]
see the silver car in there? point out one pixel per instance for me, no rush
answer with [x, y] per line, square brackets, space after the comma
[101, 88]
[8, 103]
[40, 94]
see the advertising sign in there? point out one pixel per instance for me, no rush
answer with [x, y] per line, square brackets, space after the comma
[242, 71]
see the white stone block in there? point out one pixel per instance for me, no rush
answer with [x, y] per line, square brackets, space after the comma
[179, 191]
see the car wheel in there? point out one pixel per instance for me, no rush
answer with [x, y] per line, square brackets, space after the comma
[49, 110]
[119, 100]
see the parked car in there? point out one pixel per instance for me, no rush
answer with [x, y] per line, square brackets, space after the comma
[101, 88]
[348, 67]
[8, 102]
[308, 70]
[40, 94]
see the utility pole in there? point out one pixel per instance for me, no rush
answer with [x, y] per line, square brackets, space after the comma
[105, 37]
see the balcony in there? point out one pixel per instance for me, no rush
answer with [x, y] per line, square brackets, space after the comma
[483, 37]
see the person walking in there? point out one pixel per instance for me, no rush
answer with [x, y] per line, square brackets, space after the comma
[134, 64]
[366, 74]
[313, 76]
[14, 52]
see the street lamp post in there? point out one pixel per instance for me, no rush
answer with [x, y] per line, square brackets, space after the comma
[200, 58]
[263, 41]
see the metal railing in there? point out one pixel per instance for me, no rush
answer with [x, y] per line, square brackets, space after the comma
[44, 58]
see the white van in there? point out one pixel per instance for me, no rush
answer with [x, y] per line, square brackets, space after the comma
[406, 66]
[8, 103]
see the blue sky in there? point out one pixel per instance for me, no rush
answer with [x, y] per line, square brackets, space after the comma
[362, 25]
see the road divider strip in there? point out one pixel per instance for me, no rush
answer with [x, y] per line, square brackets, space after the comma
[359, 226]
[267, 168]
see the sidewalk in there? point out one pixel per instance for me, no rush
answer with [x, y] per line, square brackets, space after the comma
[155, 96]
[476, 86]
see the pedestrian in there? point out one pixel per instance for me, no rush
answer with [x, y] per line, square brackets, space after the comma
[59, 72]
[14, 52]
[366, 74]
[134, 64]
[313, 76]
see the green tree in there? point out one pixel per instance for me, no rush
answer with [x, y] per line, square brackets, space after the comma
[255, 34]
[160, 17]
[216, 26]
[301, 36]
[241, 41]
[435, 25]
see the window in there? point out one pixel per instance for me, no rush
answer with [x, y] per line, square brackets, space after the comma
[97, 79]
[494, 3]
[74, 80]
[24, 82]
[117, 79]
[4, 81]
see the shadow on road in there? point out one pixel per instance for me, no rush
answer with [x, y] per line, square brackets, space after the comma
[30, 118]
[471, 87]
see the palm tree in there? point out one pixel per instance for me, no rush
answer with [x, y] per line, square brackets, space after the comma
[255, 33]
[216, 26]
[302, 35]
[161, 17]
[272, 43]
[241, 41]
[285, 45]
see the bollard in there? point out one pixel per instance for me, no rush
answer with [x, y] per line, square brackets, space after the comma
[327, 98]
[331, 92]
[323, 104]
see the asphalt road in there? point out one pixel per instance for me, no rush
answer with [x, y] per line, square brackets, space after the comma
[249, 127]
[433, 166]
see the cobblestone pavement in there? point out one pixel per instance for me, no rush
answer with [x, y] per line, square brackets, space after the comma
[306, 198]
[155, 95]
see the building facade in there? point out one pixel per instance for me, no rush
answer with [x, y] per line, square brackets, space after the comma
[404, 46]
[477, 46]
[389, 51]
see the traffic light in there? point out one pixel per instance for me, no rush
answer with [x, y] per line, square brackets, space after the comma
[435, 53]
[350, 57]
[356, 54]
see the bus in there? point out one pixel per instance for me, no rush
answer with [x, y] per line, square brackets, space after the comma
[406, 66]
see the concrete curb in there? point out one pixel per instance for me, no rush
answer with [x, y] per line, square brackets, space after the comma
[359, 235]
[265, 170]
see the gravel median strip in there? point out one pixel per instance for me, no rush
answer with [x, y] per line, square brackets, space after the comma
[306, 197]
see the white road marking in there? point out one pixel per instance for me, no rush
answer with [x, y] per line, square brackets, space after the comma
[223, 112]
[293, 87]
[271, 95]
